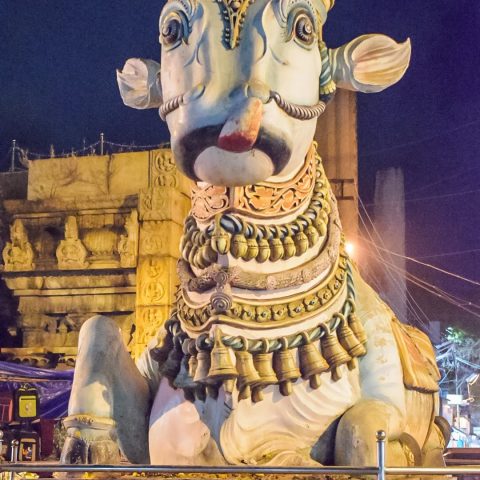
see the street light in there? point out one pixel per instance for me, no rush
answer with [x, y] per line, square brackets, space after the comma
[350, 248]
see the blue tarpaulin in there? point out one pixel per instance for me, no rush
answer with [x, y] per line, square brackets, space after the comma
[53, 386]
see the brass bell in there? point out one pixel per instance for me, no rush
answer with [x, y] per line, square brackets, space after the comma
[301, 243]
[357, 327]
[220, 238]
[312, 363]
[334, 353]
[276, 249]
[263, 250]
[203, 362]
[289, 248]
[190, 349]
[312, 235]
[252, 245]
[321, 228]
[239, 245]
[209, 255]
[252, 249]
[221, 365]
[350, 342]
[247, 375]
[263, 365]
[285, 367]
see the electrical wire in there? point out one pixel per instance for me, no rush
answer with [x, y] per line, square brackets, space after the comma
[432, 197]
[463, 301]
[408, 298]
[442, 180]
[411, 303]
[420, 140]
[434, 290]
[450, 254]
[446, 272]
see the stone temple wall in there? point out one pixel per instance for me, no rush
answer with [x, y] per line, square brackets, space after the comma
[94, 235]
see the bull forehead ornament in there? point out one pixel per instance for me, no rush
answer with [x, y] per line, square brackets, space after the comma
[234, 11]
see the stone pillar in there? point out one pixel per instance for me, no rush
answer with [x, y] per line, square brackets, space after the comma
[337, 144]
[163, 207]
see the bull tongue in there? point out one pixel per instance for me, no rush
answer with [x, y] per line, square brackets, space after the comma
[240, 131]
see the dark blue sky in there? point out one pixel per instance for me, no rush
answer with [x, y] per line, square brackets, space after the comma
[57, 79]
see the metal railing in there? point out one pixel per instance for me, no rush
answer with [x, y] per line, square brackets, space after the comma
[380, 470]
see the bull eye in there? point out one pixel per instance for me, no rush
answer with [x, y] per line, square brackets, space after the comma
[304, 29]
[173, 30]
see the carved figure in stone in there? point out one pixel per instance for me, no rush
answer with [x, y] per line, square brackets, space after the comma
[18, 252]
[277, 352]
[71, 253]
[128, 244]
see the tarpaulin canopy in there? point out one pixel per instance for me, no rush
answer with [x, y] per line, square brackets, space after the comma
[53, 386]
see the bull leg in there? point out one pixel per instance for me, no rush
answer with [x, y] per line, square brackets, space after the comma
[436, 442]
[110, 401]
[355, 442]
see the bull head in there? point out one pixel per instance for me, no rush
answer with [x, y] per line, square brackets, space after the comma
[243, 81]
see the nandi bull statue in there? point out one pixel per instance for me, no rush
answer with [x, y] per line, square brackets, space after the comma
[277, 352]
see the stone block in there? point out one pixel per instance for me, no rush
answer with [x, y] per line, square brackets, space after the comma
[164, 173]
[68, 177]
[156, 280]
[160, 238]
[163, 203]
[128, 172]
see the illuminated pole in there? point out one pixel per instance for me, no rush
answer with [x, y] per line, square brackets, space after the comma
[102, 141]
[14, 150]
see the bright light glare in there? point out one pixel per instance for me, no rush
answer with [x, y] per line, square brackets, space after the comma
[350, 248]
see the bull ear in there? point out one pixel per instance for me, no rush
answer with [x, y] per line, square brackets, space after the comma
[370, 63]
[139, 83]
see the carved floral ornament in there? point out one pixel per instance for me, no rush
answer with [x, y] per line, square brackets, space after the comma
[264, 200]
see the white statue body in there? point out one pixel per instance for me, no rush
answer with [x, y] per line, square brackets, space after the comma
[241, 92]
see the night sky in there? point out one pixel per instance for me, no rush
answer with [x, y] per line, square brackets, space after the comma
[57, 78]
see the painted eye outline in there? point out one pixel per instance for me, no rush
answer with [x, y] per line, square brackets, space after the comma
[175, 19]
[296, 16]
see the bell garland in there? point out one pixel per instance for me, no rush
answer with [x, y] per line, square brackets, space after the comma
[268, 315]
[201, 366]
[231, 234]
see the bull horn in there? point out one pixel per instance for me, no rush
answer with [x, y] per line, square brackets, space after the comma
[370, 63]
[139, 84]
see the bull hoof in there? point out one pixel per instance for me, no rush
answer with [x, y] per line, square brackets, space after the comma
[86, 448]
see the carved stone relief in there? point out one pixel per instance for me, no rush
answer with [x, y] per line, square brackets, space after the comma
[71, 253]
[18, 252]
[128, 244]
